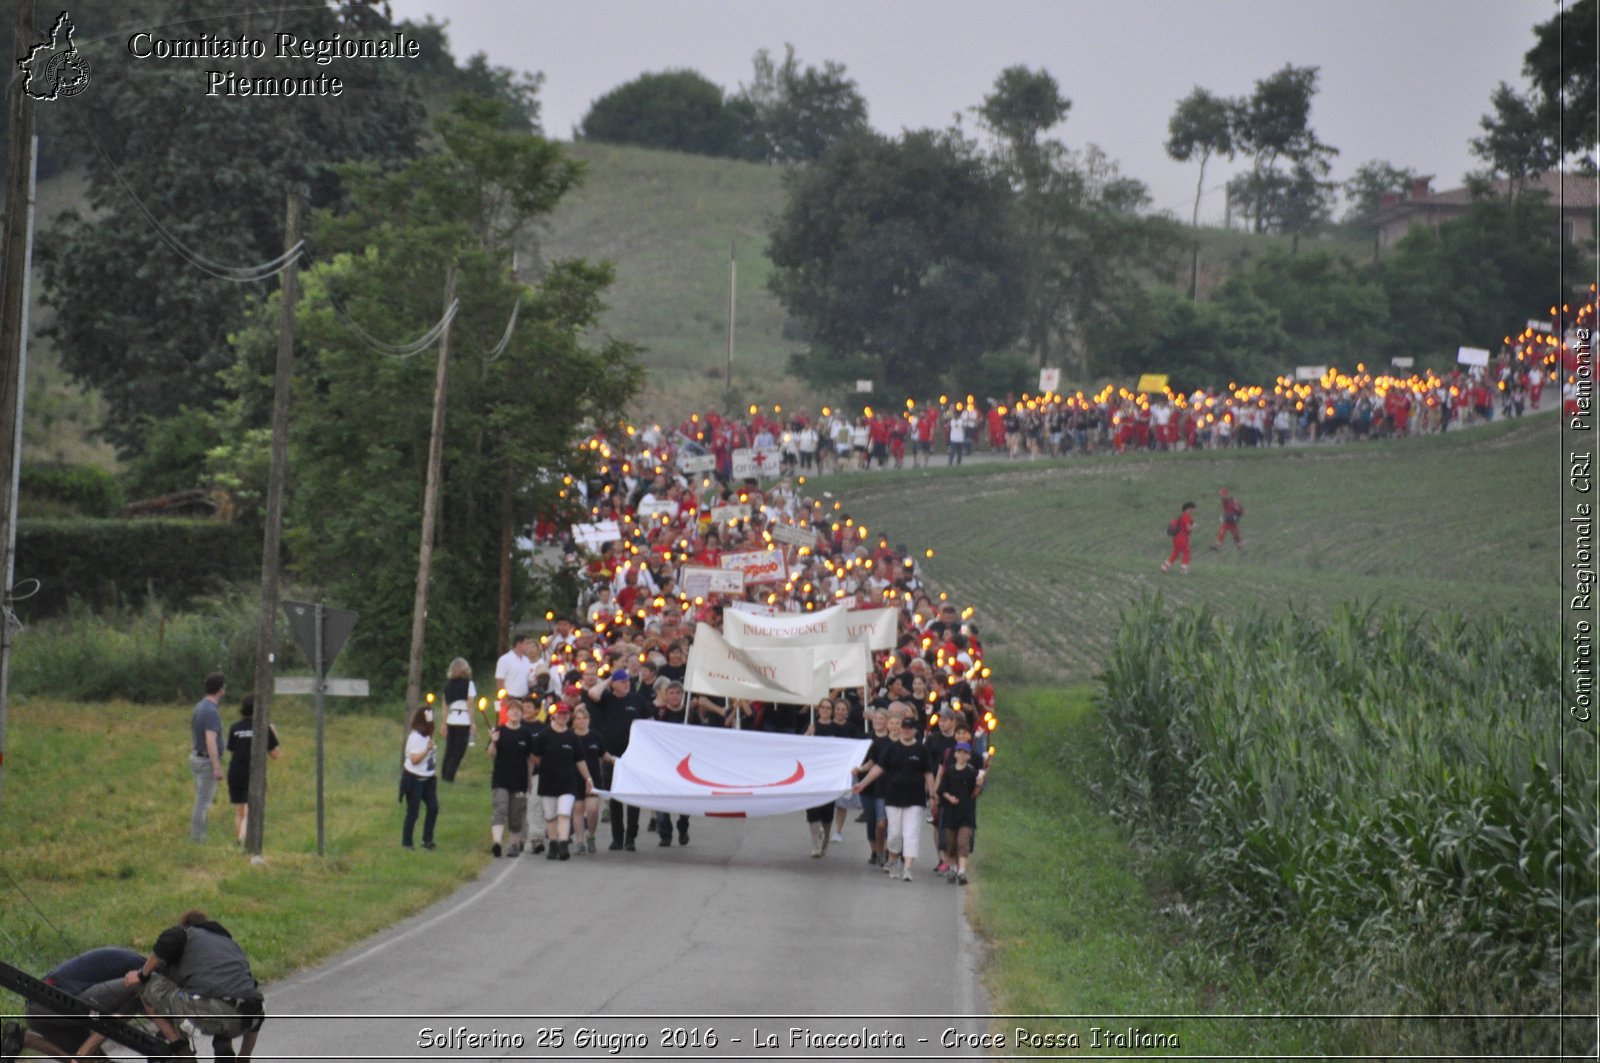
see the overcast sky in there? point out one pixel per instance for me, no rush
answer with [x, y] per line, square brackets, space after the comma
[1401, 80]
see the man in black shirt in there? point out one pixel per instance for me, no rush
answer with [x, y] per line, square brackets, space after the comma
[616, 707]
[671, 709]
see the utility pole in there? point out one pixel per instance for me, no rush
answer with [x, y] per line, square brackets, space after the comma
[282, 385]
[16, 257]
[430, 504]
[733, 270]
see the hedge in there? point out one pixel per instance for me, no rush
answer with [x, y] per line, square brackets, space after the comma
[107, 563]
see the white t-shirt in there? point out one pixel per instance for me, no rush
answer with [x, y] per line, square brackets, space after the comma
[416, 743]
[512, 670]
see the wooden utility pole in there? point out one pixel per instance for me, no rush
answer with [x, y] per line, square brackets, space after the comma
[266, 630]
[16, 252]
[430, 504]
[733, 271]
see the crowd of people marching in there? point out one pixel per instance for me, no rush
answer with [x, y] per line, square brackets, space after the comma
[567, 697]
[661, 503]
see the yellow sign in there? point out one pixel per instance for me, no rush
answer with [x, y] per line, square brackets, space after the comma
[1152, 382]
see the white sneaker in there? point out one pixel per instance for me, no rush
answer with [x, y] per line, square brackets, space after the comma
[905, 874]
[836, 837]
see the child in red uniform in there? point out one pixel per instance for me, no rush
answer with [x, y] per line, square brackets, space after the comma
[1179, 530]
[1231, 512]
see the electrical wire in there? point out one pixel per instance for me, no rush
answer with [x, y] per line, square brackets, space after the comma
[402, 350]
[505, 338]
[220, 270]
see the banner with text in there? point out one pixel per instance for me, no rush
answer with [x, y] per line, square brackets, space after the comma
[759, 566]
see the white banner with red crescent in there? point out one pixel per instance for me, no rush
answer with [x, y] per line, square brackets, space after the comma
[715, 771]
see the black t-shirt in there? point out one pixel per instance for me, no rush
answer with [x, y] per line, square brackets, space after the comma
[903, 768]
[238, 747]
[511, 751]
[938, 745]
[615, 718]
[875, 756]
[559, 754]
[593, 747]
[833, 730]
[675, 672]
[961, 782]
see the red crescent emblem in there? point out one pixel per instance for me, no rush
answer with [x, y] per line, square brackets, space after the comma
[688, 773]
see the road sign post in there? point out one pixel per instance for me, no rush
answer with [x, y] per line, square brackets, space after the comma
[320, 632]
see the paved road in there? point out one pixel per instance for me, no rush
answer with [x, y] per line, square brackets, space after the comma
[741, 923]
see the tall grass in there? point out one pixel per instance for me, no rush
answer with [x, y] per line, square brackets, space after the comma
[148, 654]
[1372, 809]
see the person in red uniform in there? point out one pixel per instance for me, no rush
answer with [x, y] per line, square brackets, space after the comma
[1231, 512]
[1179, 529]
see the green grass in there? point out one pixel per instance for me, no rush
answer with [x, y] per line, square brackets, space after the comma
[1050, 552]
[94, 824]
[667, 221]
[1058, 895]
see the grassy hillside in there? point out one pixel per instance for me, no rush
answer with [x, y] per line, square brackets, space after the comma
[667, 222]
[1050, 552]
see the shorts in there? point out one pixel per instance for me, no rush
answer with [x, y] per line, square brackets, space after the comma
[557, 805]
[111, 997]
[238, 789]
[217, 1018]
[508, 810]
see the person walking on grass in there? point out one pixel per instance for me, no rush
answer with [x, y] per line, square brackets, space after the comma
[1231, 512]
[419, 779]
[205, 752]
[1179, 528]
[239, 738]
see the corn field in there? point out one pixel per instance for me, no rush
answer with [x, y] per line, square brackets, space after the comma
[1386, 813]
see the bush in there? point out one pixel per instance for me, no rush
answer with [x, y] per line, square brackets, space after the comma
[68, 491]
[110, 563]
[149, 654]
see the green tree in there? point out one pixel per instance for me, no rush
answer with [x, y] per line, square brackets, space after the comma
[1327, 309]
[1479, 277]
[897, 257]
[134, 317]
[1074, 217]
[795, 114]
[1273, 127]
[1519, 141]
[515, 405]
[1563, 66]
[1202, 126]
[675, 110]
[1198, 344]
[1365, 189]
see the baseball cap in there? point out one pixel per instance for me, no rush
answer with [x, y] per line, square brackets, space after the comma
[619, 676]
[572, 688]
[561, 707]
[963, 747]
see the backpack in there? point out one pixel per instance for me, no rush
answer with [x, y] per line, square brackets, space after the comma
[1173, 526]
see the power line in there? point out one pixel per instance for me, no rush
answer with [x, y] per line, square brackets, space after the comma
[220, 270]
[400, 350]
[505, 338]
